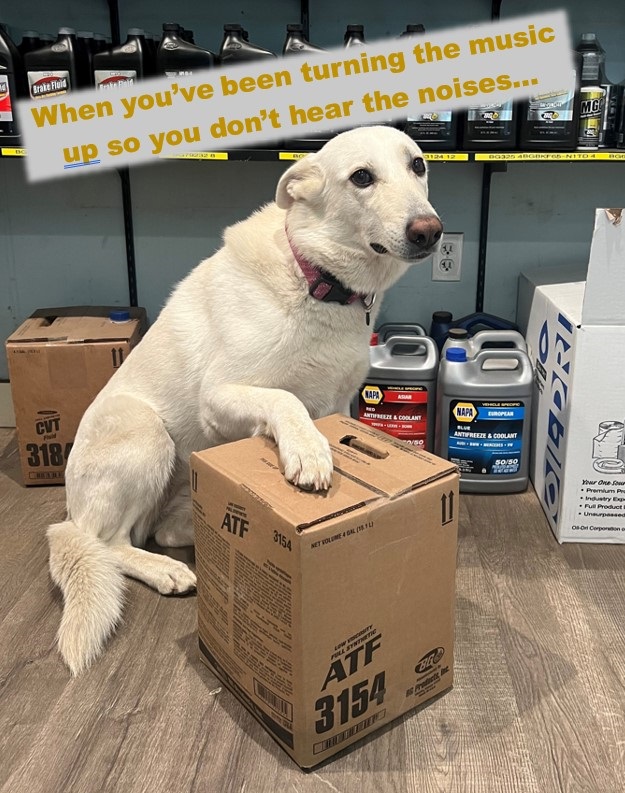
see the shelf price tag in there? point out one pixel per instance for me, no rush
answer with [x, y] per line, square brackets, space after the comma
[198, 155]
[441, 156]
[292, 155]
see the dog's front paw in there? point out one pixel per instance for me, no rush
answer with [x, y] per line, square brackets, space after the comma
[307, 460]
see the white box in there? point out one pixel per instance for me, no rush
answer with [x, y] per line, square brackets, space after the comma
[576, 339]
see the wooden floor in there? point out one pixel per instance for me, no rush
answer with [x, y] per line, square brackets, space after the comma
[538, 703]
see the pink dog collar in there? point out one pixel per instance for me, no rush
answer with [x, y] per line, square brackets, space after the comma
[325, 287]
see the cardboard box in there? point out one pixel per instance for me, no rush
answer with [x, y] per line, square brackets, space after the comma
[327, 615]
[59, 359]
[576, 338]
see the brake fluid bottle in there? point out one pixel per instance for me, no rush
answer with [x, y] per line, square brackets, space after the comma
[483, 418]
[57, 68]
[123, 65]
[399, 394]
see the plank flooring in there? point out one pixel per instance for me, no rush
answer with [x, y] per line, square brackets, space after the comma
[538, 704]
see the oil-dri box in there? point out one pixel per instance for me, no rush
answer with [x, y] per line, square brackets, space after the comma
[59, 359]
[327, 615]
[575, 332]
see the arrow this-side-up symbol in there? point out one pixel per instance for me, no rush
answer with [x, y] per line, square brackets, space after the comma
[447, 507]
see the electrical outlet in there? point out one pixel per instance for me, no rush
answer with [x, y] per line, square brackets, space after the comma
[447, 263]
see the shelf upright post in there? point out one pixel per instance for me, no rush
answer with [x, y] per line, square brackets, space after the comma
[124, 175]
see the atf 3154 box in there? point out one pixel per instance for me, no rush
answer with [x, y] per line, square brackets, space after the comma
[327, 615]
[59, 359]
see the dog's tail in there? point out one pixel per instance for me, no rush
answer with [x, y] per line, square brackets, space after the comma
[92, 584]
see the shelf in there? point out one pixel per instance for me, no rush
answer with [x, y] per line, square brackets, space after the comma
[276, 155]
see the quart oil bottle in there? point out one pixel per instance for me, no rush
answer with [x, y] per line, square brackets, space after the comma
[296, 43]
[483, 418]
[236, 48]
[176, 57]
[592, 92]
[549, 121]
[434, 130]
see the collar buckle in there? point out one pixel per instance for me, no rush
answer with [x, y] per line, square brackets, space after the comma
[327, 288]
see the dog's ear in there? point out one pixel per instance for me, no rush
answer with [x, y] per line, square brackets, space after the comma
[303, 181]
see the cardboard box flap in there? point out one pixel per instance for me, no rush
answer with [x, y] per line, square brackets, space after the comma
[380, 462]
[605, 284]
[253, 464]
[76, 324]
[368, 466]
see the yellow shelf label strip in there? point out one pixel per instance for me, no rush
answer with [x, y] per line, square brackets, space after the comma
[11, 152]
[198, 155]
[292, 155]
[566, 156]
[442, 156]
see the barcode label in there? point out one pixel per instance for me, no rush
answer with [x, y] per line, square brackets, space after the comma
[45, 475]
[322, 746]
[273, 700]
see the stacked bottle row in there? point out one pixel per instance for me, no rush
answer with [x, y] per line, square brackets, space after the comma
[587, 114]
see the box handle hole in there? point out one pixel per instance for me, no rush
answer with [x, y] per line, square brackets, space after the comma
[362, 446]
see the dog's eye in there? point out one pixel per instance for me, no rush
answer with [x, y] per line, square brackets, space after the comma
[362, 178]
[418, 166]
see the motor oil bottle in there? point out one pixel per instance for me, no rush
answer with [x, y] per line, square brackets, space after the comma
[295, 43]
[483, 418]
[490, 126]
[354, 36]
[122, 65]
[176, 57]
[12, 87]
[57, 68]
[609, 118]
[549, 121]
[434, 130]
[399, 394]
[620, 125]
[592, 91]
[235, 47]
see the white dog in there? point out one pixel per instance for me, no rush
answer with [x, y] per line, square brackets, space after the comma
[263, 337]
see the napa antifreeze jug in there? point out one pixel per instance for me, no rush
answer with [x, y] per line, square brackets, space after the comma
[483, 417]
[399, 394]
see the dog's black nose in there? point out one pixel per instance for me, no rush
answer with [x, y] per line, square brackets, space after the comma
[424, 231]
